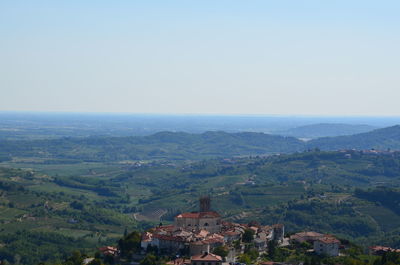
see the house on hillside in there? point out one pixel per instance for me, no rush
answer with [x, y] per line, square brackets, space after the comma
[108, 251]
[179, 261]
[380, 250]
[206, 259]
[327, 245]
[232, 235]
[305, 237]
[260, 244]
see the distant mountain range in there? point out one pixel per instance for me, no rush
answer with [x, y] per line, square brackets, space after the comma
[179, 145]
[326, 130]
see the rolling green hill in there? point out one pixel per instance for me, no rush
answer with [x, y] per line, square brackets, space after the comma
[163, 145]
[326, 130]
[186, 146]
[93, 202]
[380, 139]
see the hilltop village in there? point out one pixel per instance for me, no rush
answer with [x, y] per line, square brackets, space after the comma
[197, 233]
[204, 238]
[202, 235]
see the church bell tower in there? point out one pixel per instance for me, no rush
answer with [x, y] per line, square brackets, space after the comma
[205, 204]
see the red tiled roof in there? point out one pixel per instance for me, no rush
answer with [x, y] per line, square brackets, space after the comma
[164, 228]
[198, 215]
[169, 238]
[199, 243]
[225, 223]
[306, 235]
[328, 240]
[146, 236]
[203, 233]
[213, 240]
[231, 233]
[107, 248]
[179, 262]
[207, 257]
[384, 249]
[309, 234]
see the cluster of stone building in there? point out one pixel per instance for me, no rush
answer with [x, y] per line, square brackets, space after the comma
[323, 244]
[199, 233]
[201, 259]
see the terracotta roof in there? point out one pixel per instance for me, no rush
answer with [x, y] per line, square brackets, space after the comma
[203, 233]
[146, 236]
[108, 248]
[231, 233]
[384, 249]
[255, 229]
[198, 215]
[328, 240]
[213, 240]
[379, 248]
[306, 236]
[207, 257]
[309, 234]
[225, 223]
[169, 238]
[179, 261]
[165, 228]
[199, 243]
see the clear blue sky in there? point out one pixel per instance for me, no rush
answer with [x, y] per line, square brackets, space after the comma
[252, 57]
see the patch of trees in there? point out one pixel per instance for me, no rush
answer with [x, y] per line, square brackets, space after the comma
[130, 244]
[387, 197]
[8, 186]
[322, 216]
[34, 247]
[100, 190]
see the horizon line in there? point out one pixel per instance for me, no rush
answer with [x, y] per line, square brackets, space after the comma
[110, 113]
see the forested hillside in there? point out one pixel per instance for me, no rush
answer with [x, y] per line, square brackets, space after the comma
[165, 145]
[380, 139]
[332, 192]
[186, 146]
[326, 130]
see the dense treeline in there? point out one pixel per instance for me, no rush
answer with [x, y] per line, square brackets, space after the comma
[387, 197]
[321, 216]
[99, 187]
[28, 247]
[380, 139]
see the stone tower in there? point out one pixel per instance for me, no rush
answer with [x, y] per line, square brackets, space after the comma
[205, 204]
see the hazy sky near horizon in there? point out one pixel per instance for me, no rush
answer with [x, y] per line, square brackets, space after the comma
[210, 56]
